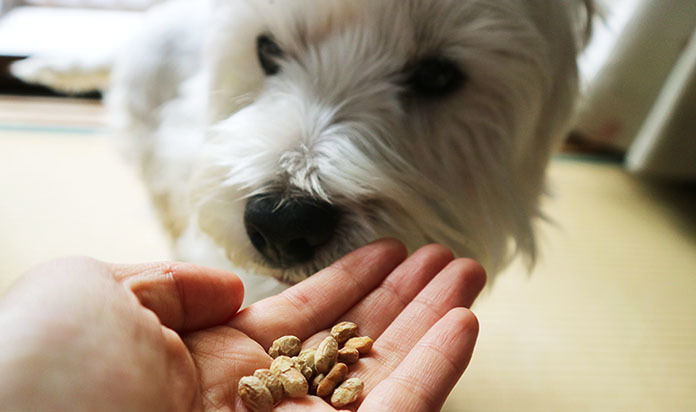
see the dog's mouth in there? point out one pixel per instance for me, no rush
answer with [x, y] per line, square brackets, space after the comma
[288, 232]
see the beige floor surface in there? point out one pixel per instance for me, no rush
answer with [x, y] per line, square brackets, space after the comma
[607, 321]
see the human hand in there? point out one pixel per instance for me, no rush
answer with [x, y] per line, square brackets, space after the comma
[108, 352]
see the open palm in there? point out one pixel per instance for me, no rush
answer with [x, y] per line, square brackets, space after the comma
[191, 356]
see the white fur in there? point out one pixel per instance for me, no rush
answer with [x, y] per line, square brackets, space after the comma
[209, 129]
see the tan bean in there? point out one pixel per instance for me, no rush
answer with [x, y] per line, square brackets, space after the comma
[335, 376]
[272, 382]
[286, 345]
[294, 383]
[347, 392]
[301, 365]
[348, 356]
[308, 356]
[363, 344]
[326, 355]
[255, 395]
[344, 331]
[282, 363]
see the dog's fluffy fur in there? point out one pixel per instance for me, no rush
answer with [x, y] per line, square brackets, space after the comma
[338, 122]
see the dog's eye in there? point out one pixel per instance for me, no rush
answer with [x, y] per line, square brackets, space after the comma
[435, 77]
[269, 53]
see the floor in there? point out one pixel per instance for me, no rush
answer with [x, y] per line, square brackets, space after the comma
[606, 321]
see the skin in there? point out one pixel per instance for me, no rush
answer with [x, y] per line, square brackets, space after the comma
[84, 335]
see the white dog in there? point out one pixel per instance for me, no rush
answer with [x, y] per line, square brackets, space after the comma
[275, 136]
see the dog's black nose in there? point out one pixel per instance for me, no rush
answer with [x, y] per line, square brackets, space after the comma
[288, 231]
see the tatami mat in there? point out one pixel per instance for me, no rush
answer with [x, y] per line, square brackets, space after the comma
[606, 322]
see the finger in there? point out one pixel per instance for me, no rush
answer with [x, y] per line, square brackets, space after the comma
[185, 297]
[422, 382]
[394, 293]
[398, 290]
[457, 285]
[315, 303]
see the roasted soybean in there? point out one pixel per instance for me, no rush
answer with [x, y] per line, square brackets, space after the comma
[255, 394]
[347, 392]
[296, 373]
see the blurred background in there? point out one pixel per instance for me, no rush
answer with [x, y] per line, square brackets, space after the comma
[606, 321]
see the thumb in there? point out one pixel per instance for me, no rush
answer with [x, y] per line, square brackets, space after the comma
[184, 296]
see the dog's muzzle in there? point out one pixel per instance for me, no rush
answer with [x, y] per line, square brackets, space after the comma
[288, 231]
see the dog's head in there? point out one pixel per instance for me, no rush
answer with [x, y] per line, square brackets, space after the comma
[336, 122]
